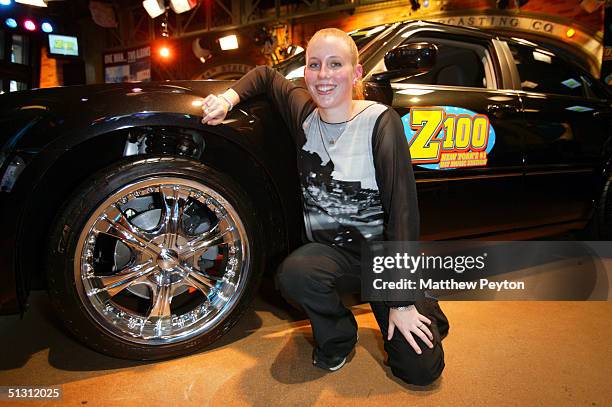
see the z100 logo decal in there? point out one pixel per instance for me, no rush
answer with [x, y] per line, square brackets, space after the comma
[447, 137]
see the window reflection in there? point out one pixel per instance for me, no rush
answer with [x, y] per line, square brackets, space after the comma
[19, 49]
[14, 86]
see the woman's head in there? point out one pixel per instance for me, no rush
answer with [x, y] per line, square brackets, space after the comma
[332, 70]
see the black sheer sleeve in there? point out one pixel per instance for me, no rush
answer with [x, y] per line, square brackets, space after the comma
[293, 102]
[395, 180]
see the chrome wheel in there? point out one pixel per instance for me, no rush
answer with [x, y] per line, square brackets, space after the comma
[162, 260]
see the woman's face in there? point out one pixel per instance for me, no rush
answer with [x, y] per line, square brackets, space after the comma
[329, 74]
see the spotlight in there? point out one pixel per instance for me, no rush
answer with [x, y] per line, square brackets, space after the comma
[5, 2]
[164, 52]
[37, 3]
[29, 25]
[47, 27]
[570, 32]
[11, 22]
[155, 8]
[229, 42]
[181, 6]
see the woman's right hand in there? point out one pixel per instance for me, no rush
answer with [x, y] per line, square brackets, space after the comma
[214, 110]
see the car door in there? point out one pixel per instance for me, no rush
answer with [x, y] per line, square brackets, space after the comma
[566, 125]
[467, 186]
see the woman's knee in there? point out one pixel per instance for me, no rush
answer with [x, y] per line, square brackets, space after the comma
[419, 370]
[296, 279]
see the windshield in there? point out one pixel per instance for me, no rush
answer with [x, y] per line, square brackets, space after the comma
[364, 38]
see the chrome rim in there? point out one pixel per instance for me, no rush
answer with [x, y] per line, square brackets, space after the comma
[162, 260]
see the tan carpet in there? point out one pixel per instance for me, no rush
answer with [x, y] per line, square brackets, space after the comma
[497, 353]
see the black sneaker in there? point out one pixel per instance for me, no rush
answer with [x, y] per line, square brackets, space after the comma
[326, 363]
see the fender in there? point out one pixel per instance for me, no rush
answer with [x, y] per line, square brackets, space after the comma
[63, 150]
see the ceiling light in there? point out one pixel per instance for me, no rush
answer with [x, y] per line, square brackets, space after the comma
[11, 23]
[181, 6]
[164, 52]
[37, 3]
[29, 25]
[229, 42]
[155, 8]
[47, 27]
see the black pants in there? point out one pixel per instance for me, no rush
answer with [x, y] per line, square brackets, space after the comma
[314, 276]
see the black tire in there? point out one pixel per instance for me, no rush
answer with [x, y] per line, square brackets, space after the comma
[92, 258]
[604, 211]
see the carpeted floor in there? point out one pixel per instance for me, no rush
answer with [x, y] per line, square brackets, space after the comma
[497, 354]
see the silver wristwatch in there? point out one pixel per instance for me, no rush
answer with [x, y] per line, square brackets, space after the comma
[402, 308]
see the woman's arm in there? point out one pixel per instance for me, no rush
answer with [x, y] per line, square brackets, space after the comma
[397, 187]
[293, 102]
[395, 178]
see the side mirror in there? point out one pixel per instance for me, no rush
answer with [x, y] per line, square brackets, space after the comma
[408, 60]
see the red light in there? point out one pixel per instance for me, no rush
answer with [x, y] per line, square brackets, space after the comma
[29, 25]
[164, 52]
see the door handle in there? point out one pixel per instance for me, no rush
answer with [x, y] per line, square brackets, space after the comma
[499, 110]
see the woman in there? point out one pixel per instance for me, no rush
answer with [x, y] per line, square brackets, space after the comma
[358, 185]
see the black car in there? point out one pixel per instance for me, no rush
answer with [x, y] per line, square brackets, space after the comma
[150, 231]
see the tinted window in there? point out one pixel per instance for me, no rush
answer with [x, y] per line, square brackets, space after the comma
[457, 64]
[541, 71]
[592, 88]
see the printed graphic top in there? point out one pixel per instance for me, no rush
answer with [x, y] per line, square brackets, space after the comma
[356, 176]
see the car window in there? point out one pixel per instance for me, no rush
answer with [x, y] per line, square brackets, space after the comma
[543, 72]
[592, 89]
[458, 63]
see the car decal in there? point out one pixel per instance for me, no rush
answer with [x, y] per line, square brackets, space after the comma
[448, 137]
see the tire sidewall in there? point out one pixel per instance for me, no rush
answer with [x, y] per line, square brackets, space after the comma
[67, 230]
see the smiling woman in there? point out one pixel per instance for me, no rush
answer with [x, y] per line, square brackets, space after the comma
[357, 186]
[345, 72]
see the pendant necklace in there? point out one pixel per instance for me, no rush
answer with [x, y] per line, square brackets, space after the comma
[333, 131]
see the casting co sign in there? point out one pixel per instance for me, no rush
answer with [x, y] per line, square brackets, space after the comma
[516, 22]
[592, 44]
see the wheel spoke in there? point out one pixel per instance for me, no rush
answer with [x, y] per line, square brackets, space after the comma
[174, 205]
[161, 298]
[196, 279]
[210, 238]
[113, 285]
[117, 220]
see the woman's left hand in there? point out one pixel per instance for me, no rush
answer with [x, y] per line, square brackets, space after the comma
[410, 322]
[214, 109]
